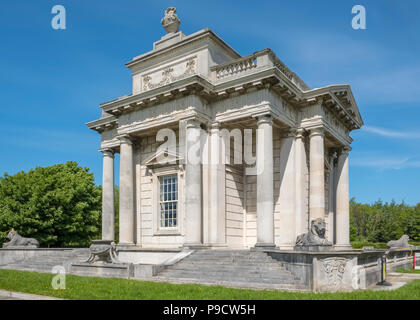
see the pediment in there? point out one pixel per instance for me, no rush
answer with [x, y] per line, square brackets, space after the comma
[346, 98]
[162, 158]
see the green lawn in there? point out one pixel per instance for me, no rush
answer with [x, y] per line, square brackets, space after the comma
[408, 271]
[103, 288]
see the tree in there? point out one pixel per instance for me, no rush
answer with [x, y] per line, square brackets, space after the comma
[381, 222]
[59, 205]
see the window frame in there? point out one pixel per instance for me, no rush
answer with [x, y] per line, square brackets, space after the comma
[160, 201]
[157, 174]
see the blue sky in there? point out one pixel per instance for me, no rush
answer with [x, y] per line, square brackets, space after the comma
[51, 82]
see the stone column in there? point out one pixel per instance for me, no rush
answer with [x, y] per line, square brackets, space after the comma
[331, 199]
[193, 177]
[265, 206]
[316, 175]
[342, 202]
[108, 209]
[287, 196]
[301, 221]
[217, 220]
[126, 191]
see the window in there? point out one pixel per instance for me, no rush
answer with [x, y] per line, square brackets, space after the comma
[168, 201]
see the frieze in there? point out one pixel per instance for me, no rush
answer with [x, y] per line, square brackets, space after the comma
[168, 74]
[334, 122]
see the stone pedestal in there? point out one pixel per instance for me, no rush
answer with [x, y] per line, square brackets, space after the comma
[314, 248]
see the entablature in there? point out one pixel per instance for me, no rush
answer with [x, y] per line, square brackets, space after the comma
[261, 70]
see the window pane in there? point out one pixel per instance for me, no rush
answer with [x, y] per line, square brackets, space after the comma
[168, 199]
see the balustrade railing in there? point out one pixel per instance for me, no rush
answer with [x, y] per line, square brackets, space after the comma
[259, 60]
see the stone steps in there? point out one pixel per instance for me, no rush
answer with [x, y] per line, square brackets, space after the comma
[266, 279]
[229, 267]
[229, 259]
[230, 271]
[45, 262]
[238, 284]
[238, 268]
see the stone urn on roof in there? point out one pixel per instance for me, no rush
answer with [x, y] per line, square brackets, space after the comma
[171, 21]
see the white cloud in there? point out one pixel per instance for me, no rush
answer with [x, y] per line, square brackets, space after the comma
[392, 133]
[377, 72]
[385, 163]
[395, 85]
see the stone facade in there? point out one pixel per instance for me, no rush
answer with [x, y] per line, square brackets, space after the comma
[203, 91]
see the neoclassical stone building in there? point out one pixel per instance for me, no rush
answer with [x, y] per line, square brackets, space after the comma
[202, 89]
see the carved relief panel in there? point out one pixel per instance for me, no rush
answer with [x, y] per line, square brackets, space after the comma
[169, 74]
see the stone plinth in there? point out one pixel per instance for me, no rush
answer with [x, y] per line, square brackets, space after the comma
[107, 270]
[314, 248]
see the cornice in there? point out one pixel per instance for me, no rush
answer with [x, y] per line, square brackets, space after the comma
[267, 77]
[180, 86]
[162, 121]
[103, 124]
[199, 35]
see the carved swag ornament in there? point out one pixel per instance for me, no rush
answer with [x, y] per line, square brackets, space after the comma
[168, 76]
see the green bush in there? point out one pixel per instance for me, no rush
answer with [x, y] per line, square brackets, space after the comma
[360, 245]
[59, 205]
[381, 222]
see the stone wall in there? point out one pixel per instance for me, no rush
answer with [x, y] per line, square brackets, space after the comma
[234, 205]
[146, 211]
[251, 210]
[251, 204]
[340, 270]
[234, 195]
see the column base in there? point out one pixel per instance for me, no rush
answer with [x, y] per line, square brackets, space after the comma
[264, 246]
[193, 246]
[215, 245]
[315, 248]
[343, 247]
[125, 245]
[286, 247]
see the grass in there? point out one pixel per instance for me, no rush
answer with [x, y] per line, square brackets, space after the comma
[89, 288]
[408, 271]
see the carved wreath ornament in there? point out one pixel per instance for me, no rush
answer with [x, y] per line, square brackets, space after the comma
[334, 268]
[168, 76]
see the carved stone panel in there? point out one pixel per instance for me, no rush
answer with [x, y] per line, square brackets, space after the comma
[169, 74]
[334, 269]
[334, 274]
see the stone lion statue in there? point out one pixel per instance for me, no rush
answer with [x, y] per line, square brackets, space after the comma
[15, 240]
[400, 243]
[316, 236]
